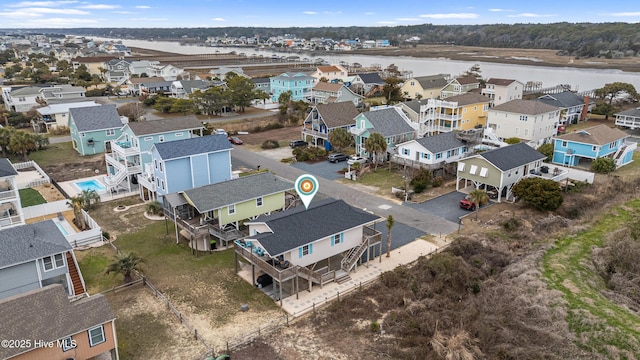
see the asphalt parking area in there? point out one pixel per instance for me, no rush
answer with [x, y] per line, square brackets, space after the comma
[324, 169]
[445, 206]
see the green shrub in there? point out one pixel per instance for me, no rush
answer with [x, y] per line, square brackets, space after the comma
[511, 224]
[512, 140]
[437, 181]
[603, 165]
[106, 235]
[375, 327]
[270, 144]
[421, 181]
[541, 194]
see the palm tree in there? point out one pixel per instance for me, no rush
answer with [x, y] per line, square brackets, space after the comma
[21, 143]
[76, 204]
[390, 223]
[154, 207]
[479, 198]
[375, 145]
[6, 133]
[125, 265]
[89, 198]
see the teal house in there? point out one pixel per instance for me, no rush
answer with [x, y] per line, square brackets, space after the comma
[390, 122]
[580, 147]
[298, 83]
[131, 151]
[93, 128]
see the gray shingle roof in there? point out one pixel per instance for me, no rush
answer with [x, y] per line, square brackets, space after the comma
[25, 91]
[432, 81]
[509, 157]
[441, 142]
[595, 135]
[564, 99]
[31, 241]
[149, 127]
[500, 82]
[297, 227]
[47, 314]
[415, 104]
[338, 114]
[387, 122]
[192, 146]
[215, 196]
[631, 112]
[6, 169]
[96, 118]
[468, 99]
[529, 107]
[156, 84]
[371, 78]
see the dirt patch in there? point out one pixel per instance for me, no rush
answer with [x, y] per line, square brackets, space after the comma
[77, 170]
[287, 133]
[49, 192]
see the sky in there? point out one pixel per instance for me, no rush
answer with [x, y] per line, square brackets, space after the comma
[298, 13]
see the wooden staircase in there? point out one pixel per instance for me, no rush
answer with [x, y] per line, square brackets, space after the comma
[342, 276]
[74, 274]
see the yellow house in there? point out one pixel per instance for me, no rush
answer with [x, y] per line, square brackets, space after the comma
[424, 87]
[461, 112]
[94, 64]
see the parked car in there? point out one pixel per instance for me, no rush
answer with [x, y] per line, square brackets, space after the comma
[356, 159]
[220, 132]
[298, 143]
[235, 140]
[337, 157]
[467, 204]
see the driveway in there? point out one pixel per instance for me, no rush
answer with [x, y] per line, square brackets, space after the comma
[445, 206]
[323, 169]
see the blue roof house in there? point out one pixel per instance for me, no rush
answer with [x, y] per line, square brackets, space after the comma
[389, 122]
[298, 83]
[583, 146]
[92, 128]
[186, 164]
[131, 151]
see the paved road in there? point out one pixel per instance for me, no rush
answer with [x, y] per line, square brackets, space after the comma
[426, 222]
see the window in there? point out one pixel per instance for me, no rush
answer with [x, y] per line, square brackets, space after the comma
[425, 155]
[337, 239]
[461, 166]
[564, 144]
[179, 134]
[68, 344]
[438, 156]
[155, 164]
[96, 336]
[473, 170]
[161, 138]
[594, 148]
[406, 151]
[231, 209]
[524, 117]
[148, 138]
[259, 202]
[484, 172]
[53, 262]
[305, 250]
[160, 165]
[162, 184]
[475, 108]
[111, 132]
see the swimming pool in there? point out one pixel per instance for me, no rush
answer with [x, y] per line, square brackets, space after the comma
[62, 229]
[91, 185]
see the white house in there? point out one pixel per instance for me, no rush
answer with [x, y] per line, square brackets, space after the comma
[502, 90]
[530, 120]
[431, 151]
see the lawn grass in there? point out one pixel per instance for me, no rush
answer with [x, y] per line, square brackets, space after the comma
[30, 197]
[599, 323]
[93, 264]
[54, 154]
[383, 178]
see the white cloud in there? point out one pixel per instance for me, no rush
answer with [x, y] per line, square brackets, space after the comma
[99, 6]
[625, 14]
[531, 15]
[218, 19]
[143, 7]
[62, 22]
[450, 16]
[45, 10]
[500, 10]
[408, 19]
[309, 12]
[40, 3]
[19, 14]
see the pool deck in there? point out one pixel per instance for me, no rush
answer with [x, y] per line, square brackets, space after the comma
[72, 190]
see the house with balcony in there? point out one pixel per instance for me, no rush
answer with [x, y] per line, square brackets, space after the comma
[318, 245]
[181, 89]
[218, 210]
[330, 72]
[94, 128]
[432, 152]
[456, 113]
[499, 91]
[131, 150]
[390, 122]
[573, 107]
[629, 118]
[185, 164]
[62, 93]
[500, 169]
[20, 99]
[363, 83]
[10, 207]
[324, 93]
[35, 255]
[117, 71]
[424, 87]
[57, 115]
[530, 120]
[133, 84]
[81, 329]
[459, 86]
[262, 83]
[325, 118]
[580, 147]
[298, 83]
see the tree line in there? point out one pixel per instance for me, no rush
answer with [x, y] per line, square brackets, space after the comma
[575, 39]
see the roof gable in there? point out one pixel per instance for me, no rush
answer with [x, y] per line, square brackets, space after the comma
[510, 157]
[441, 142]
[371, 78]
[192, 146]
[163, 126]
[432, 81]
[596, 135]
[96, 118]
[529, 107]
[468, 99]
[564, 99]
[500, 82]
[388, 122]
[6, 169]
[31, 241]
[338, 114]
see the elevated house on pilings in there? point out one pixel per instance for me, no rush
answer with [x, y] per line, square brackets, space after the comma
[318, 245]
[218, 211]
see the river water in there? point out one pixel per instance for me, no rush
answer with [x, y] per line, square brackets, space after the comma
[579, 79]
